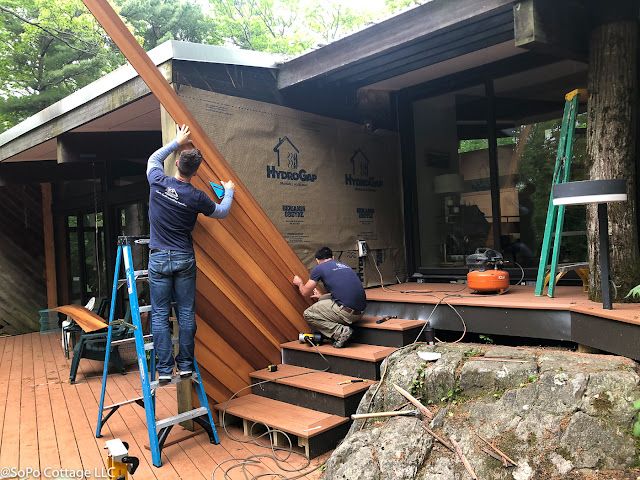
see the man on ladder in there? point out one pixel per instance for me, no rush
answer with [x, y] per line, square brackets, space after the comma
[174, 205]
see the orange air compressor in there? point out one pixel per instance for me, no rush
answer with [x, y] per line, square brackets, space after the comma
[485, 274]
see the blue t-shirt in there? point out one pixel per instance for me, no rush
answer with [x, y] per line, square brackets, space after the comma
[173, 206]
[342, 282]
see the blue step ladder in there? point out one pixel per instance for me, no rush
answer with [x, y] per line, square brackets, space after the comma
[158, 429]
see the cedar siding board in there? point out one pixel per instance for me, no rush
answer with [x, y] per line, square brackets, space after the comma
[22, 265]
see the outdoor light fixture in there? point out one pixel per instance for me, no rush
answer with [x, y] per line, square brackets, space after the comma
[600, 192]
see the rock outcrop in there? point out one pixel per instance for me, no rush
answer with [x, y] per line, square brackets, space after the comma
[557, 414]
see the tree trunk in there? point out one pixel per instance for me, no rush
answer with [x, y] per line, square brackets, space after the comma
[611, 148]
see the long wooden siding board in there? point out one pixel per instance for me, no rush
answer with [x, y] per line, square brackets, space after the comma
[236, 262]
[214, 387]
[254, 255]
[266, 297]
[10, 448]
[231, 379]
[243, 338]
[28, 424]
[210, 340]
[235, 295]
[69, 454]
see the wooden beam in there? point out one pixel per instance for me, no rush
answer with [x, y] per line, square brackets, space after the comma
[49, 246]
[549, 26]
[435, 16]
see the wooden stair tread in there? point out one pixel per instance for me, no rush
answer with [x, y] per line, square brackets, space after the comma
[397, 324]
[355, 351]
[314, 380]
[299, 421]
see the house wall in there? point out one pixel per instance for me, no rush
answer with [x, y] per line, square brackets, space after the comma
[22, 265]
[240, 326]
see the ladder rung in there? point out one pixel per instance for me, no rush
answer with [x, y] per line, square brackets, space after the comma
[124, 402]
[130, 339]
[174, 380]
[181, 417]
[149, 345]
[138, 274]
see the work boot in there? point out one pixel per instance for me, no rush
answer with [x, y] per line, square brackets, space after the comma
[343, 337]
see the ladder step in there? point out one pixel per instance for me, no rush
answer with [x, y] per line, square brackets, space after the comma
[124, 402]
[149, 345]
[181, 417]
[138, 274]
[130, 339]
[144, 308]
[175, 379]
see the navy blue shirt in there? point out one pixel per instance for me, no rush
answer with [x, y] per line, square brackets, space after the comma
[342, 282]
[174, 205]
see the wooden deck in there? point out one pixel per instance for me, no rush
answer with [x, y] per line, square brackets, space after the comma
[572, 299]
[45, 422]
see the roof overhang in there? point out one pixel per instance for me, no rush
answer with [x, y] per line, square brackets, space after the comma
[423, 36]
[34, 138]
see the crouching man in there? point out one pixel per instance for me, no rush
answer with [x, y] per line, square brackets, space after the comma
[333, 314]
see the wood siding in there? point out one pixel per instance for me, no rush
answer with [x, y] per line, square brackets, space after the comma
[22, 278]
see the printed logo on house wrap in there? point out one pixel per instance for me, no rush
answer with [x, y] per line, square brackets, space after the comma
[293, 214]
[365, 215]
[287, 165]
[359, 177]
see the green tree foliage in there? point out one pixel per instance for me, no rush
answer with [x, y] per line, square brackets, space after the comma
[50, 48]
[156, 21]
[288, 27]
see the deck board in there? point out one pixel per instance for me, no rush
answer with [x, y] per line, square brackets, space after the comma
[47, 422]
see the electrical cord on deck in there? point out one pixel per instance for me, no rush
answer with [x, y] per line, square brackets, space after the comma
[254, 460]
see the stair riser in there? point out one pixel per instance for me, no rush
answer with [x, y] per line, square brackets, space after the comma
[386, 338]
[314, 446]
[343, 407]
[345, 366]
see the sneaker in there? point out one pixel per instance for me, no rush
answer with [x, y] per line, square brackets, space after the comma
[185, 373]
[164, 379]
[343, 337]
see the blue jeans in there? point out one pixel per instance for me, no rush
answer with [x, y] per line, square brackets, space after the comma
[172, 276]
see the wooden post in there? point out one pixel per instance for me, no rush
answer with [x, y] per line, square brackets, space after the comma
[49, 246]
[494, 174]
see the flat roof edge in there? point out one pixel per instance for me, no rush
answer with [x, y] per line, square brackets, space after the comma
[170, 50]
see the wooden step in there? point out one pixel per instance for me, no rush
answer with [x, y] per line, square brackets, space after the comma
[355, 359]
[317, 432]
[322, 391]
[395, 332]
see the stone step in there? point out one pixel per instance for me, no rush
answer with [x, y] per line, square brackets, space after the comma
[316, 432]
[322, 391]
[354, 359]
[395, 332]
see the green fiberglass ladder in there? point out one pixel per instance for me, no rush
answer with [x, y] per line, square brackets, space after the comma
[158, 429]
[555, 214]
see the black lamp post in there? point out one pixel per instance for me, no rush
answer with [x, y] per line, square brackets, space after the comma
[600, 192]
